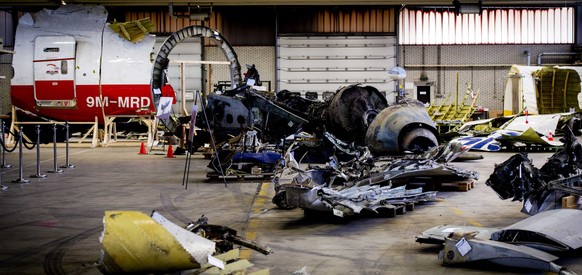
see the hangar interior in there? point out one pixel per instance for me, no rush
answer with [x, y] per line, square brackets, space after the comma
[290, 137]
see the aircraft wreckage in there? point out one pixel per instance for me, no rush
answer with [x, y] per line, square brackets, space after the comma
[133, 242]
[355, 114]
[525, 244]
[348, 188]
[540, 189]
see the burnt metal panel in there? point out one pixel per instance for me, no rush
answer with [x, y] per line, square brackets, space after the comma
[499, 253]
[557, 228]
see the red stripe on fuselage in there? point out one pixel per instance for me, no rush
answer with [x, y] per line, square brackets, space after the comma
[121, 101]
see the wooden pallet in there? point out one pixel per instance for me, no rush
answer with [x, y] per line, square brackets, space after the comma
[462, 185]
[241, 176]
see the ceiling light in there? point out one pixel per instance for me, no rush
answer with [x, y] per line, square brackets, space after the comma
[467, 7]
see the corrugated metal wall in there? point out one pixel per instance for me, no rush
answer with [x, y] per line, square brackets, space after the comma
[255, 26]
[492, 26]
[339, 20]
[242, 26]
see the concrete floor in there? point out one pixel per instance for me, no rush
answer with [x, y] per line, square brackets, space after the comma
[53, 225]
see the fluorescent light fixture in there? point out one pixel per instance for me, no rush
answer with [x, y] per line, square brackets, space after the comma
[467, 7]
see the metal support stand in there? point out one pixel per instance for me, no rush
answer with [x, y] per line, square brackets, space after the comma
[21, 179]
[67, 164]
[55, 169]
[38, 173]
[4, 164]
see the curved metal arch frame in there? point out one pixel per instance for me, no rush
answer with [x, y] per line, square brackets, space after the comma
[161, 62]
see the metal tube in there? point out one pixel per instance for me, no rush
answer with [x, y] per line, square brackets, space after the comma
[4, 164]
[552, 54]
[21, 179]
[67, 164]
[55, 169]
[38, 173]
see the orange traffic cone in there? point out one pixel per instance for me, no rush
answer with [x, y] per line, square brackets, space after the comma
[550, 137]
[142, 149]
[170, 152]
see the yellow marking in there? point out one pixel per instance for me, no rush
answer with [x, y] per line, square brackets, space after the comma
[254, 223]
[251, 235]
[471, 221]
[474, 222]
[245, 253]
[260, 201]
[457, 211]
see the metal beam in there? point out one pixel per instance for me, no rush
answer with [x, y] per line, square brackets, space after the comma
[276, 2]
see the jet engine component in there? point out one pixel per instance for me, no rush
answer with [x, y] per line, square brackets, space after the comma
[405, 126]
[351, 110]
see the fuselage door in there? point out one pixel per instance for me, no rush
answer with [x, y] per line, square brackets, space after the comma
[54, 72]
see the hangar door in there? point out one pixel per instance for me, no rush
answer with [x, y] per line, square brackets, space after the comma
[190, 51]
[322, 64]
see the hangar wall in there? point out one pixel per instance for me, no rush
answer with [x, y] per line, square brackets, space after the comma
[485, 66]
[262, 56]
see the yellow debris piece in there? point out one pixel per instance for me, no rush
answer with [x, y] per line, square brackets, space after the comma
[133, 242]
[133, 31]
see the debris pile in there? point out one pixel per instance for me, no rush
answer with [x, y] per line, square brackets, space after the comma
[540, 189]
[525, 244]
[348, 188]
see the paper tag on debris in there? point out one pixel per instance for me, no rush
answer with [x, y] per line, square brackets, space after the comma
[527, 205]
[463, 247]
[338, 213]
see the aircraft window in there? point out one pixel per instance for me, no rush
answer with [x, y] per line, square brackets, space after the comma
[51, 50]
[229, 119]
[64, 67]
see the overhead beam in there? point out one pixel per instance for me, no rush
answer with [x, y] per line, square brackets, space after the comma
[276, 2]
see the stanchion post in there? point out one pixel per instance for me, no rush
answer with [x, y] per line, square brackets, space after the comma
[67, 164]
[55, 169]
[21, 179]
[4, 164]
[38, 173]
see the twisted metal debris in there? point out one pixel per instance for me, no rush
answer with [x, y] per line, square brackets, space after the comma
[540, 189]
[348, 188]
